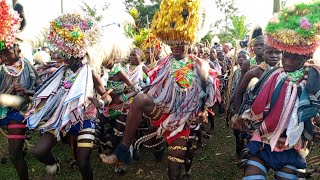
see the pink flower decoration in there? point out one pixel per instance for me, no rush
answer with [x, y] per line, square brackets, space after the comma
[274, 20]
[67, 84]
[84, 25]
[305, 24]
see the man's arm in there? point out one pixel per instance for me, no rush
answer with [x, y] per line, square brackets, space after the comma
[242, 89]
[98, 85]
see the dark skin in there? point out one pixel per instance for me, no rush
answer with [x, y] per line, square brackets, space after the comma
[290, 62]
[135, 59]
[242, 57]
[272, 57]
[213, 57]
[9, 57]
[42, 150]
[258, 45]
[143, 103]
[151, 53]
[221, 57]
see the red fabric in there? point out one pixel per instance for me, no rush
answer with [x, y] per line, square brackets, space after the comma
[10, 136]
[262, 102]
[184, 132]
[153, 73]
[271, 121]
[16, 126]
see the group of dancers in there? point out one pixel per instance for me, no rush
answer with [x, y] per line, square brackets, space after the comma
[268, 89]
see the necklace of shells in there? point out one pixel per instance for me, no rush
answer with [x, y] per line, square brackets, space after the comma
[4, 67]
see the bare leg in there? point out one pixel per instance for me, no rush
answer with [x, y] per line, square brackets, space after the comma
[120, 125]
[176, 158]
[254, 170]
[42, 150]
[189, 158]
[16, 150]
[239, 144]
[142, 103]
[285, 173]
[84, 146]
[73, 149]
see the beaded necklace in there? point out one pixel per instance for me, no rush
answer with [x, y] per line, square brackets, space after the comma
[70, 77]
[296, 75]
[117, 86]
[115, 69]
[182, 71]
[14, 70]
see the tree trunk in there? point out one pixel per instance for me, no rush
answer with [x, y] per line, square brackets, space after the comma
[276, 6]
[61, 5]
[14, 2]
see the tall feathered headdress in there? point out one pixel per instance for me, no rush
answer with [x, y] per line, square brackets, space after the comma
[256, 32]
[177, 21]
[72, 34]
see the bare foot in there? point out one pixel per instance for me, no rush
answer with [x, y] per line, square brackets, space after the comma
[111, 159]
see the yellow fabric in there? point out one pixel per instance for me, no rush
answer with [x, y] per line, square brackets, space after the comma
[89, 145]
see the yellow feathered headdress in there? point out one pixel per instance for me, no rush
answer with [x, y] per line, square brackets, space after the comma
[177, 21]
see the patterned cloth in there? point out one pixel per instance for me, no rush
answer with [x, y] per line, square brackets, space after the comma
[281, 105]
[182, 104]
[27, 78]
[63, 107]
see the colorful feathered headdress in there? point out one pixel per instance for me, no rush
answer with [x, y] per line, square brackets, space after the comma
[9, 25]
[296, 29]
[72, 34]
[177, 21]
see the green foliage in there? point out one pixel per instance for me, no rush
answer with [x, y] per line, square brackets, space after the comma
[239, 28]
[134, 13]
[208, 37]
[147, 11]
[92, 11]
[144, 11]
[225, 38]
[238, 31]
[140, 37]
[229, 10]
[130, 30]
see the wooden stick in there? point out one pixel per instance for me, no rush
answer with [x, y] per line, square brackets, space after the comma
[230, 80]
[151, 52]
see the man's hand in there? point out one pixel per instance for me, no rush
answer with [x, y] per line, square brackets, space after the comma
[19, 88]
[107, 98]
[202, 116]
[238, 123]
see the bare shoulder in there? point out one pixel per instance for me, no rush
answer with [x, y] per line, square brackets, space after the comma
[245, 66]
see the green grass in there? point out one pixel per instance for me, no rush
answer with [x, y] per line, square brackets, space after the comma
[214, 163]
